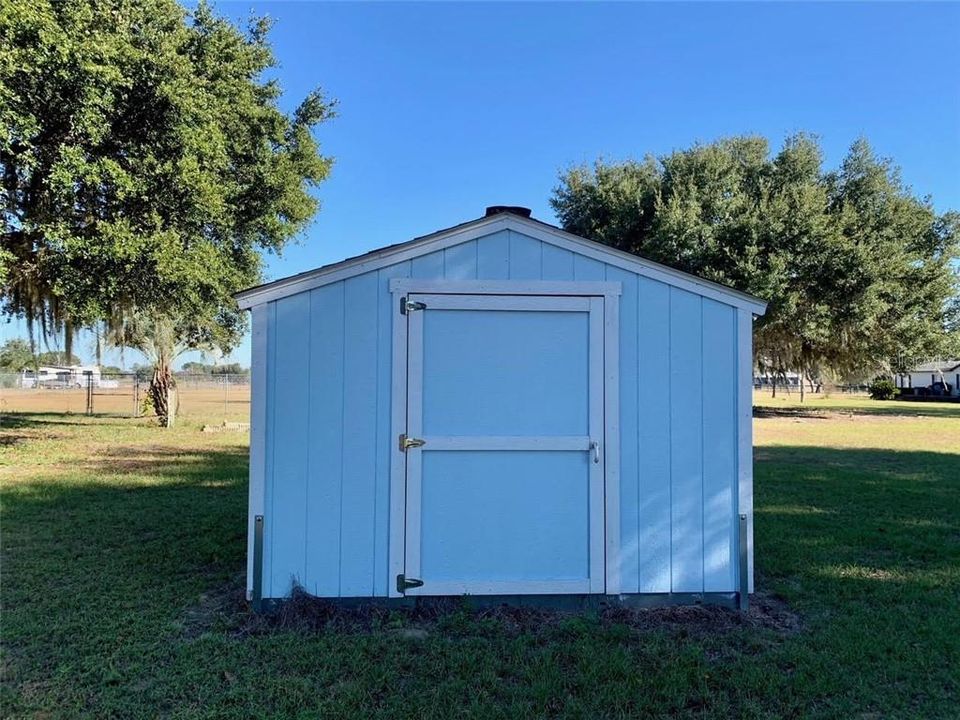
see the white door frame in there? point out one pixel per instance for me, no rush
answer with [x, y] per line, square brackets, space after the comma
[604, 297]
[593, 306]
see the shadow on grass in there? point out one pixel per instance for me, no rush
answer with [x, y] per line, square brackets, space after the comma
[882, 408]
[172, 461]
[99, 562]
[20, 420]
[11, 422]
[102, 542]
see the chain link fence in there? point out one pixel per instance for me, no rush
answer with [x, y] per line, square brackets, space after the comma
[211, 397]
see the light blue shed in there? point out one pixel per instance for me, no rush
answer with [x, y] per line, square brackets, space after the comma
[501, 408]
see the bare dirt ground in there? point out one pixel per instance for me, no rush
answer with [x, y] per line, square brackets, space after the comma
[227, 609]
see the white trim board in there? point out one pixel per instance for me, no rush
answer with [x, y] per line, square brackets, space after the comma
[551, 303]
[745, 430]
[575, 288]
[508, 442]
[258, 431]
[494, 587]
[611, 431]
[485, 226]
[398, 458]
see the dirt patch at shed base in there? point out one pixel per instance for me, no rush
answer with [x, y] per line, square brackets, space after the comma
[226, 609]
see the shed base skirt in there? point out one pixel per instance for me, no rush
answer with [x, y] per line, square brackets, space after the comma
[571, 603]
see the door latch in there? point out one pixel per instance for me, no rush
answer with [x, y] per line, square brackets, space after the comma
[404, 583]
[407, 306]
[408, 442]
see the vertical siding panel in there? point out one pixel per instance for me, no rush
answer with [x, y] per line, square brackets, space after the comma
[719, 446]
[428, 267]
[629, 432]
[386, 318]
[493, 256]
[557, 263]
[290, 418]
[459, 262]
[269, 452]
[325, 440]
[359, 435]
[525, 257]
[686, 441]
[653, 392]
[585, 268]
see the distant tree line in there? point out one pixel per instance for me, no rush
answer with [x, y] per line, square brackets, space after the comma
[16, 355]
[858, 271]
[145, 372]
[198, 368]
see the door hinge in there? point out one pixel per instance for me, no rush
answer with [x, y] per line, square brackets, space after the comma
[407, 306]
[409, 442]
[404, 583]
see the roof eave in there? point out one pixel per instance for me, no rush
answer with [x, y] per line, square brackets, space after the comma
[375, 259]
[301, 282]
[759, 305]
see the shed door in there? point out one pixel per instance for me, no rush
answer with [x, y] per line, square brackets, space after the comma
[506, 493]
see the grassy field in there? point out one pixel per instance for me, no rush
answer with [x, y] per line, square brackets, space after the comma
[122, 553]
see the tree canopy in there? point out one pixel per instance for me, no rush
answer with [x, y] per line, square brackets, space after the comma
[57, 358]
[16, 355]
[857, 270]
[145, 162]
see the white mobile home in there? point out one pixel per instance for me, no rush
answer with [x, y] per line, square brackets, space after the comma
[62, 376]
[926, 374]
[500, 408]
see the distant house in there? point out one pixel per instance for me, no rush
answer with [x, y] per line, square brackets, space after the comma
[926, 374]
[788, 379]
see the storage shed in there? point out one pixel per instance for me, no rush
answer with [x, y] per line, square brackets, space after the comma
[501, 408]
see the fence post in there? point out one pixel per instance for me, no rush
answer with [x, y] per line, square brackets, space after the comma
[136, 396]
[89, 393]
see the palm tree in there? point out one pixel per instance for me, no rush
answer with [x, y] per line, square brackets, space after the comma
[161, 339]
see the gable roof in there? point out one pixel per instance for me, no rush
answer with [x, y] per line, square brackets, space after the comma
[487, 225]
[936, 366]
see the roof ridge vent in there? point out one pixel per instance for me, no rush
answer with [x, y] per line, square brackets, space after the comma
[508, 209]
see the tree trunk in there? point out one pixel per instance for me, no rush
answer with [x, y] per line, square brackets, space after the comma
[163, 395]
[800, 383]
[773, 382]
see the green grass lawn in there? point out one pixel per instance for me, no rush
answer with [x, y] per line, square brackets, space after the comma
[120, 541]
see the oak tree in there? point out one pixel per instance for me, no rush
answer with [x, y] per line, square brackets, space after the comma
[857, 270]
[146, 166]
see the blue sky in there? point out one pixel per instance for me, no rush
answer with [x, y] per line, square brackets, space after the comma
[447, 108]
